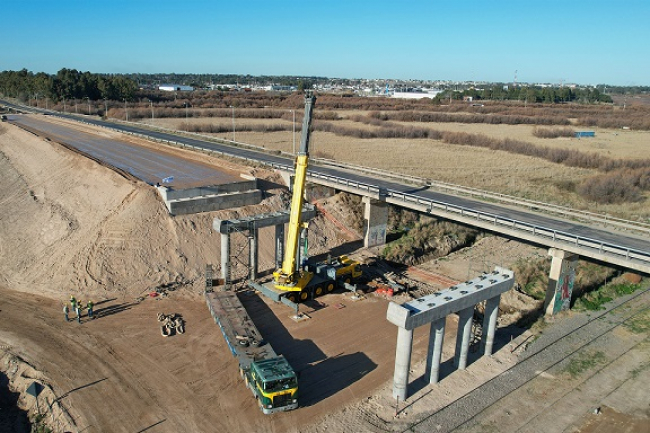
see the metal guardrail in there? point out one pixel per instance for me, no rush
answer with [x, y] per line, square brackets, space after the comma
[628, 254]
[534, 205]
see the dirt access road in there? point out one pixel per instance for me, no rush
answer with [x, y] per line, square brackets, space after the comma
[117, 373]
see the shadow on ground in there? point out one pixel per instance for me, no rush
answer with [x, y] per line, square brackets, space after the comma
[319, 376]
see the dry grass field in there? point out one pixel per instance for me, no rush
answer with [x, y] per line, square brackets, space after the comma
[493, 170]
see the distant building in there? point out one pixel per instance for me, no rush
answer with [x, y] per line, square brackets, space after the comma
[175, 88]
[432, 93]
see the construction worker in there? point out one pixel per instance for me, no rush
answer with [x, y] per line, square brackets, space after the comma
[66, 310]
[90, 309]
[73, 303]
[77, 310]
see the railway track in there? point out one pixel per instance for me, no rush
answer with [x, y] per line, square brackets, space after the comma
[466, 413]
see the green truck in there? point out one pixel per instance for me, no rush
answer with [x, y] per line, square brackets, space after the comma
[269, 377]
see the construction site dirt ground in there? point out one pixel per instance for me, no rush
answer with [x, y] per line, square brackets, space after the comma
[70, 226]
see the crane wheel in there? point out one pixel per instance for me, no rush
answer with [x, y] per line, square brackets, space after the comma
[348, 280]
[319, 291]
[330, 287]
[304, 296]
[292, 298]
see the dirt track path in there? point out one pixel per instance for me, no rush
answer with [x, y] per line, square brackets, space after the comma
[117, 373]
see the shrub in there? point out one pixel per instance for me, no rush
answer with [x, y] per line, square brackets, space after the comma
[611, 188]
[532, 276]
[429, 239]
[553, 132]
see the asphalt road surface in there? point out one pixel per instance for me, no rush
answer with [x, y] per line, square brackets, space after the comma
[147, 164]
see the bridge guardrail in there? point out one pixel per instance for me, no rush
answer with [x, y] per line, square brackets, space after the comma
[536, 230]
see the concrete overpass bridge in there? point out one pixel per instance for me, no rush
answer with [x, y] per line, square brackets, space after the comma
[566, 232]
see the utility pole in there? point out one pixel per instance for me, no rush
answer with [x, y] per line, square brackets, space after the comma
[233, 123]
[293, 128]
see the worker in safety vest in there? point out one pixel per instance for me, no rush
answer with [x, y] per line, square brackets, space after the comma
[66, 310]
[89, 307]
[77, 310]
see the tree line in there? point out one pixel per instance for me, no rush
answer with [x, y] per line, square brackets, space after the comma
[66, 84]
[546, 95]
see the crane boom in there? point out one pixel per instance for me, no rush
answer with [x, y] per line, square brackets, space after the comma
[287, 274]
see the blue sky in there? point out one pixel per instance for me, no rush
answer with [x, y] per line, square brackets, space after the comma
[586, 42]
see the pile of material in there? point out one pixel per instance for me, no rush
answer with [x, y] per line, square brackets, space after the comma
[171, 324]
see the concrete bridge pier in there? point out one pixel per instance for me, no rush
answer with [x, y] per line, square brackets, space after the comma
[279, 245]
[433, 310]
[434, 353]
[301, 255]
[560, 281]
[376, 220]
[253, 252]
[225, 260]
[402, 362]
[463, 337]
[490, 324]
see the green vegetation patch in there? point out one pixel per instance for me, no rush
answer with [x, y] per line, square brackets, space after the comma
[640, 323]
[584, 361]
[594, 300]
[532, 276]
[428, 239]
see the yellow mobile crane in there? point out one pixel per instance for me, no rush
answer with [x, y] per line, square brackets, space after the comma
[313, 279]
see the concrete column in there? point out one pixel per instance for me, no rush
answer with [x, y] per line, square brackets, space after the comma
[376, 222]
[253, 252]
[302, 247]
[560, 281]
[434, 353]
[463, 336]
[490, 323]
[225, 260]
[279, 245]
[402, 362]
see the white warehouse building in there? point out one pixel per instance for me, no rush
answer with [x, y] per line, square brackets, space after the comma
[175, 88]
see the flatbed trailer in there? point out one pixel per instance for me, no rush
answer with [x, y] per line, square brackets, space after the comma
[269, 377]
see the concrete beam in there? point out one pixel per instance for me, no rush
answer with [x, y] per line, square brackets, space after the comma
[202, 191]
[440, 304]
[211, 203]
[259, 221]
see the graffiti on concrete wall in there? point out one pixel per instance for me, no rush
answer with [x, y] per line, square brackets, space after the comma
[564, 286]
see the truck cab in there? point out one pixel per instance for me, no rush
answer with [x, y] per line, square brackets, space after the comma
[274, 384]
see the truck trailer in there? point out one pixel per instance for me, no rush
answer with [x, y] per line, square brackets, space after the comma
[267, 375]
